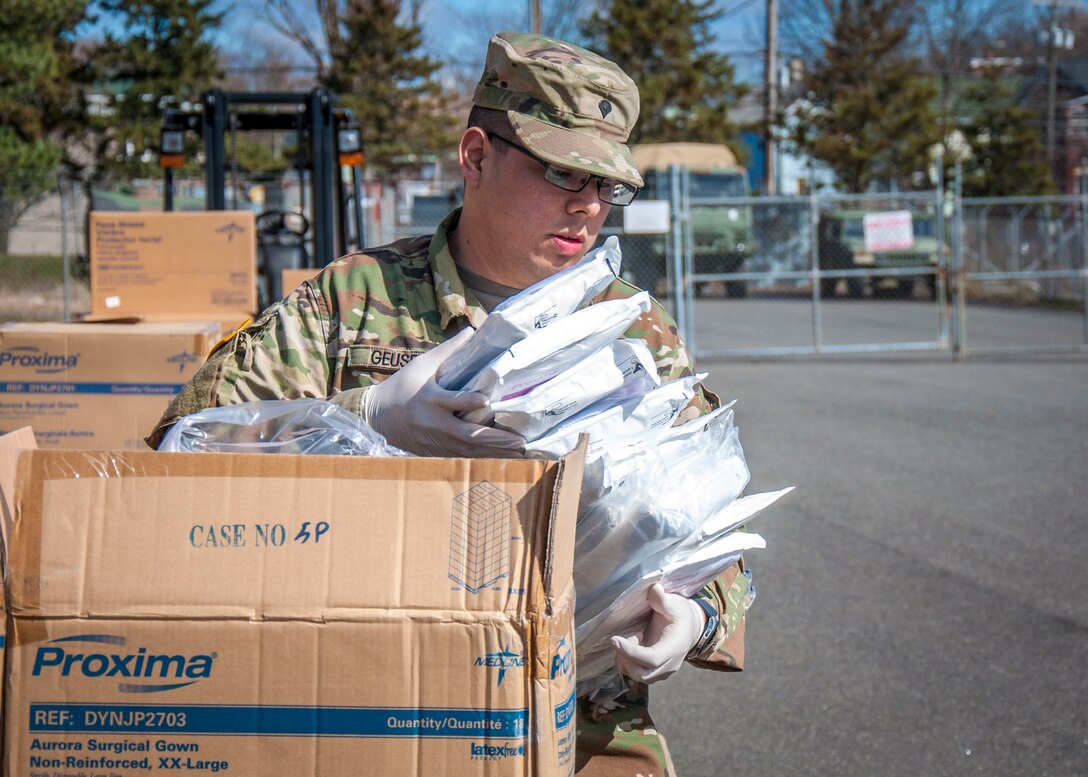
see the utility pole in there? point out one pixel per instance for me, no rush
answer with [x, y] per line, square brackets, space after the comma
[770, 98]
[1052, 45]
[1051, 84]
[534, 16]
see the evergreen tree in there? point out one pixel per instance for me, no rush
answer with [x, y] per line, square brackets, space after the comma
[36, 70]
[379, 71]
[1008, 157]
[163, 56]
[370, 55]
[869, 115]
[667, 47]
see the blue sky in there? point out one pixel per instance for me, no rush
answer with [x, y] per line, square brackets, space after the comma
[458, 30]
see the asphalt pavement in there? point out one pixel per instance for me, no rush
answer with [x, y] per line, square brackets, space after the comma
[922, 603]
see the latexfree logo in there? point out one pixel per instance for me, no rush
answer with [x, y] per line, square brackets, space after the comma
[502, 660]
[482, 751]
[109, 659]
[42, 362]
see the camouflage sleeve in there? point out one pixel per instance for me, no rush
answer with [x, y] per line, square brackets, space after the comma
[284, 354]
[731, 593]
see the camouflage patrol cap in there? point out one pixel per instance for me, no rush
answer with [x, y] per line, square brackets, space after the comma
[567, 105]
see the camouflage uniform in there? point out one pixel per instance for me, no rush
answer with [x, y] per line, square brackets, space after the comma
[368, 314]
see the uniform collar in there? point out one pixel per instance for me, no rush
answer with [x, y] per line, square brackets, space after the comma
[454, 300]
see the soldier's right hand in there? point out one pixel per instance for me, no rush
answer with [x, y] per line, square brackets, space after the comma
[415, 414]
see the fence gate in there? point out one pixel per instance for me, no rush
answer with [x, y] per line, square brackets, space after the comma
[815, 274]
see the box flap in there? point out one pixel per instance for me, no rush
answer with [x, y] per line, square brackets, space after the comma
[10, 446]
[559, 574]
[270, 536]
[108, 319]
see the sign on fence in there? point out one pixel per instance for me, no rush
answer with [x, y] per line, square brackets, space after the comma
[889, 231]
[646, 217]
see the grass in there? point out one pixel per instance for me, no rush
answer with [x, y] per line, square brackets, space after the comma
[120, 201]
[34, 270]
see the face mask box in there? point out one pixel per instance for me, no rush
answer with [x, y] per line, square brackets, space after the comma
[96, 385]
[291, 615]
[173, 266]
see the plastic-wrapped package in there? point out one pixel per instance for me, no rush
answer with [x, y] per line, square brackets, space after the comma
[537, 307]
[311, 426]
[688, 475]
[621, 419]
[534, 413]
[546, 353]
[629, 612]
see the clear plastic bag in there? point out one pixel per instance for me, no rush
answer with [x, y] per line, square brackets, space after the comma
[625, 419]
[629, 613]
[687, 475]
[311, 426]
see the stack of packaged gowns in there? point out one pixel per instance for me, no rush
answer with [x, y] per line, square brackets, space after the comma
[660, 502]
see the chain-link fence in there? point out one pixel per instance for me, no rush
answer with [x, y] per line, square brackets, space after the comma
[1023, 269]
[838, 273]
[41, 278]
[744, 276]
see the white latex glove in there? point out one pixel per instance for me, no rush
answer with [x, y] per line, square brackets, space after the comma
[675, 626]
[415, 414]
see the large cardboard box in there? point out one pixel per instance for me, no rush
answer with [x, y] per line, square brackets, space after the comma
[291, 615]
[10, 446]
[96, 385]
[174, 266]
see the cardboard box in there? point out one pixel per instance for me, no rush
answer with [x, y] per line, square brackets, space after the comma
[96, 385]
[291, 615]
[174, 266]
[10, 446]
[292, 278]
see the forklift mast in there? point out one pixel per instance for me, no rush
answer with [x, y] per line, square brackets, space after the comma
[328, 143]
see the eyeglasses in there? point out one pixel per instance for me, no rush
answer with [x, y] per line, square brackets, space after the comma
[608, 189]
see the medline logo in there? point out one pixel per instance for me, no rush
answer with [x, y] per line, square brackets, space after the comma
[503, 659]
[140, 664]
[481, 751]
[181, 359]
[42, 361]
[231, 229]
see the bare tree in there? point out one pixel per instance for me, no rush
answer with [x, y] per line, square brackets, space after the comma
[956, 31]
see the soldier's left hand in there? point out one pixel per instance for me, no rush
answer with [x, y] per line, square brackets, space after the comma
[675, 626]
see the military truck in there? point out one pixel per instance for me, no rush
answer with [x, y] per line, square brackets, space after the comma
[842, 246]
[722, 234]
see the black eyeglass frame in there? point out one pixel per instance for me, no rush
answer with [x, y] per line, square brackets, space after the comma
[553, 174]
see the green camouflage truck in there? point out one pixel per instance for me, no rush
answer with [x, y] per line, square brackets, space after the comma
[841, 236]
[722, 234]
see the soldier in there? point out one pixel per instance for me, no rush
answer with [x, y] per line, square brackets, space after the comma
[544, 158]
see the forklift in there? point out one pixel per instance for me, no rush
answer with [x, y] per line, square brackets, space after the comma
[328, 220]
